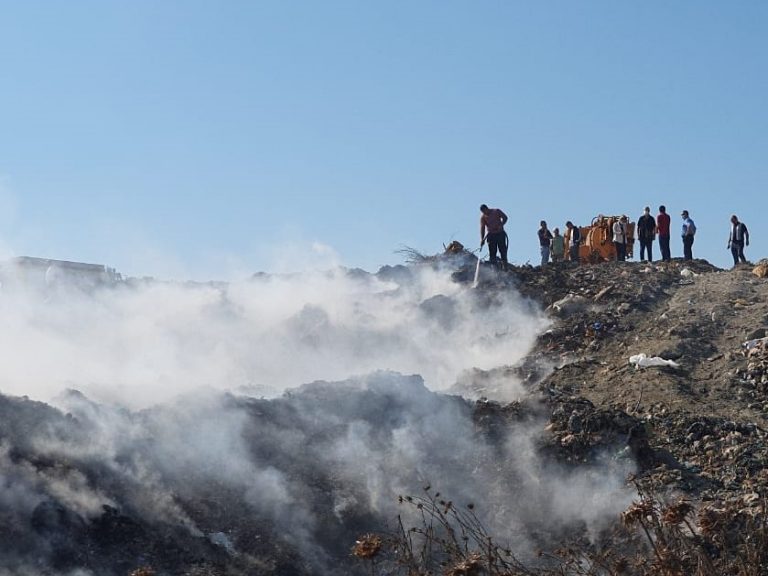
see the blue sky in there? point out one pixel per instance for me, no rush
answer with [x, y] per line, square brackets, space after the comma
[211, 139]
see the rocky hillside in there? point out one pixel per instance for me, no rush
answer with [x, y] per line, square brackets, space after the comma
[696, 423]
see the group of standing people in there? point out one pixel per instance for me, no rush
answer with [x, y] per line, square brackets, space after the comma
[648, 228]
[558, 248]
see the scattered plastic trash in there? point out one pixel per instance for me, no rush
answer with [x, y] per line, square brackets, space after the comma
[749, 344]
[567, 304]
[596, 330]
[688, 273]
[643, 361]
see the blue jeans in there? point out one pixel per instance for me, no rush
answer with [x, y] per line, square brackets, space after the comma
[544, 255]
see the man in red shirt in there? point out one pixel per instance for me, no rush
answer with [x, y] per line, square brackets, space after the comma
[662, 226]
[492, 229]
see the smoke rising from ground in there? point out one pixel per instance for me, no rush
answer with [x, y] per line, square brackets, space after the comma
[264, 424]
[147, 342]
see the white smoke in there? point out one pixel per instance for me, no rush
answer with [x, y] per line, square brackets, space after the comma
[280, 399]
[144, 343]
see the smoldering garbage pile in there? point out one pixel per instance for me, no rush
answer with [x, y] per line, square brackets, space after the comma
[225, 484]
[216, 473]
[547, 442]
[696, 421]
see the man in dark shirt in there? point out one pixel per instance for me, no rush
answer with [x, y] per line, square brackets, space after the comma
[736, 239]
[663, 223]
[492, 229]
[646, 233]
[574, 239]
[545, 239]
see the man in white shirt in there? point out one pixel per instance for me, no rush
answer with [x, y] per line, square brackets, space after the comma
[620, 238]
[574, 239]
[688, 232]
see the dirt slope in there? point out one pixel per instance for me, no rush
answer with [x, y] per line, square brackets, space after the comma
[704, 422]
[701, 322]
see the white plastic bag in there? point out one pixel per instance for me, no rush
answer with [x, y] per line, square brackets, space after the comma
[643, 361]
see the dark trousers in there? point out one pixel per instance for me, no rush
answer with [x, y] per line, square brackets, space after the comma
[497, 242]
[621, 251]
[574, 253]
[664, 247]
[688, 247]
[647, 245]
[737, 250]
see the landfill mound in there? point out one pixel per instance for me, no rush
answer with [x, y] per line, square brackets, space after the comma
[674, 355]
[239, 485]
[707, 403]
[666, 363]
[637, 445]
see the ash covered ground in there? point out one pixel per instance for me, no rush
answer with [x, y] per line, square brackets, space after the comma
[262, 428]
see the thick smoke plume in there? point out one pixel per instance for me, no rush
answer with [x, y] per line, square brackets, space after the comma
[145, 342]
[260, 426]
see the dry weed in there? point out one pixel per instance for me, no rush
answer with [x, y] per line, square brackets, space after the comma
[660, 538]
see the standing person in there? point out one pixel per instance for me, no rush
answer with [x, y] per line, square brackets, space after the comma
[620, 238]
[492, 229]
[545, 238]
[574, 239]
[558, 246]
[688, 232]
[646, 233]
[663, 225]
[736, 239]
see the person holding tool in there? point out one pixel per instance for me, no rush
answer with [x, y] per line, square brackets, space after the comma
[492, 229]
